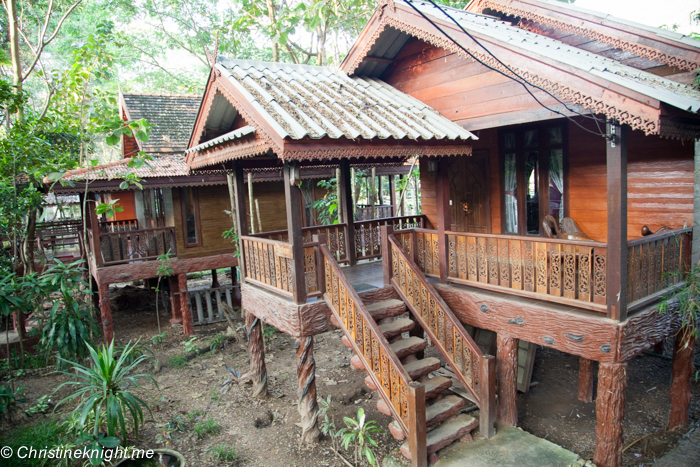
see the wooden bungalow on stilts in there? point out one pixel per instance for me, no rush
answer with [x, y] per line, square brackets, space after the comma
[564, 224]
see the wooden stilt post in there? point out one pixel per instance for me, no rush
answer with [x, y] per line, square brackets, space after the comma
[610, 412]
[256, 351]
[292, 196]
[106, 313]
[487, 395]
[417, 440]
[443, 215]
[507, 368]
[616, 270]
[348, 212]
[236, 292]
[585, 379]
[187, 326]
[682, 370]
[175, 308]
[306, 376]
[214, 279]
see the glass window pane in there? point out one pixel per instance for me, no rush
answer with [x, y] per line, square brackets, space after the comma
[533, 203]
[555, 135]
[191, 216]
[556, 183]
[531, 138]
[510, 188]
[509, 141]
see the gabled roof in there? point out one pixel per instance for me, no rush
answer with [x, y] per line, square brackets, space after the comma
[657, 46]
[598, 84]
[172, 117]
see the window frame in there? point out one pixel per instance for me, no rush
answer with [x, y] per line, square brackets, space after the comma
[198, 218]
[543, 150]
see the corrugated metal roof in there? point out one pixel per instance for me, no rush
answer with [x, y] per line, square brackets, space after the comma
[673, 93]
[161, 166]
[230, 136]
[317, 101]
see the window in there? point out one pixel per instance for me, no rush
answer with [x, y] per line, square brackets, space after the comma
[190, 214]
[532, 178]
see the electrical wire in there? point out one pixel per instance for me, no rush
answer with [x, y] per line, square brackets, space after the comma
[521, 80]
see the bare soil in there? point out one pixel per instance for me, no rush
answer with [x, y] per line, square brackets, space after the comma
[264, 432]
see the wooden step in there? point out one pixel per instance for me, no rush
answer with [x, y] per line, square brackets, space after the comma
[396, 327]
[386, 309]
[436, 385]
[446, 434]
[404, 347]
[443, 409]
[418, 368]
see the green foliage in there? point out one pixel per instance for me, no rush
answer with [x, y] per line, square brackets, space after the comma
[231, 234]
[44, 435]
[191, 346]
[206, 428]
[327, 426]
[358, 435]
[158, 339]
[327, 207]
[101, 390]
[269, 333]
[193, 415]
[40, 406]
[9, 398]
[216, 342]
[177, 361]
[685, 302]
[166, 433]
[225, 453]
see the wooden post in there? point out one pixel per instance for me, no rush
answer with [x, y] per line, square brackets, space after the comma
[616, 271]
[232, 199]
[386, 230]
[321, 239]
[442, 200]
[241, 216]
[306, 377]
[187, 327]
[250, 203]
[95, 227]
[392, 195]
[236, 292]
[585, 379]
[487, 396]
[106, 313]
[175, 308]
[507, 367]
[292, 197]
[682, 370]
[695, 258]
[256, 352]
[214, 279]
[348, 216]
[610, 412]
[338, 195]
[417, 436]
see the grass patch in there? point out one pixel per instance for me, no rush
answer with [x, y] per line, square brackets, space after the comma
[44, 435]
[177, 361]
[214, 395]
[206, 428]
[193, 415]
[224, 453]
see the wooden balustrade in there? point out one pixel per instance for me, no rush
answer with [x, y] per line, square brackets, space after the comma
[369, 344]
[368, 242]
[364, 212]
[119, 226]
[655, 264]
[463, 355]
[136, 245]
[334, 233]
[57, 235]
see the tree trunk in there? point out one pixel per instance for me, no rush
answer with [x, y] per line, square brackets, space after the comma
[275, 46]
[585, 379]
[29, 241]
[306, 377]
[610, 412]
[682, 371]
[256, 351]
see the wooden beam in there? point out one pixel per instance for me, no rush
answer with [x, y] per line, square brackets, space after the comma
[106, 313]
[347, 212]
[292, 198]
[585, 379]
[695, 258]
[507, 369]
[682, 371]
[241, 216]
[392, 195]
[187, 325]
[442, 200]
[616, 270]
[610, 412]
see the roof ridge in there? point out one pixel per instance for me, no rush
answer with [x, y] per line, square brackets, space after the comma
[160, 94]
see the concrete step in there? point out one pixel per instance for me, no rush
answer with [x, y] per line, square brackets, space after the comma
[418, 368]
[405, 347]
[386, 309]
[443, 409]
[435, 386]
[444, 435]
[396, 327]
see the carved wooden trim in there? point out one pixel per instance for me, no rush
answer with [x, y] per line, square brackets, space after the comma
[633, 47]
[378, 152]
[235, 150]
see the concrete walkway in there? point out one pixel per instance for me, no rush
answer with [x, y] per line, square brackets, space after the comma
[510, 447]
[686, 454]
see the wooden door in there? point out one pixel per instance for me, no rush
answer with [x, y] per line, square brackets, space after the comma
[469, 194]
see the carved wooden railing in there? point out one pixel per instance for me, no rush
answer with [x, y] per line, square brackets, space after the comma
[269, 263]
[368, 238]
[57, 235]
[655, 264]
[369, 344]
[335, 238]
[136, 245]
[474, 369]
[119, 226]
[365, 212]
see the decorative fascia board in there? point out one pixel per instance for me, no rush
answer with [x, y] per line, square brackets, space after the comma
[379, 152]
[636, 48]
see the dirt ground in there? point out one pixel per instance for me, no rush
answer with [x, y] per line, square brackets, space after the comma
[264, 432]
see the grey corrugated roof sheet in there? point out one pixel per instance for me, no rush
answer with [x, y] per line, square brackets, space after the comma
[172, 117]
[320, 101]
[673, 93]
[230, 136]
